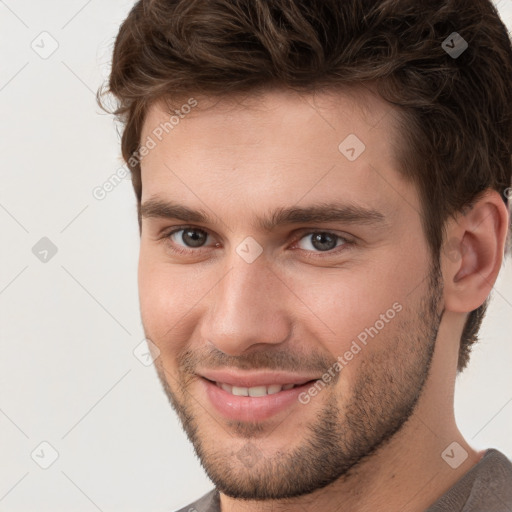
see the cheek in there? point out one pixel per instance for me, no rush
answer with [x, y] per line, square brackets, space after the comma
[165, 296]
[172, 299]
[349, 303]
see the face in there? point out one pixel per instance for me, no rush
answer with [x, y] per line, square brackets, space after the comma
[281, 246]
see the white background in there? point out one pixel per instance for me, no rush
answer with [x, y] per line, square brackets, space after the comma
[68, 327]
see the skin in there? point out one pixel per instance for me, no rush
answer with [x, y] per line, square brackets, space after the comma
[373, 438]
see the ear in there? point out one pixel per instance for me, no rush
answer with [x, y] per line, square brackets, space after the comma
[473, 251]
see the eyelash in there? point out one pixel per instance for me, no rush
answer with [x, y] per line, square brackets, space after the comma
[346, 245]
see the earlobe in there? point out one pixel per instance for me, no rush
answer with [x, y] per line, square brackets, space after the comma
[477, 243]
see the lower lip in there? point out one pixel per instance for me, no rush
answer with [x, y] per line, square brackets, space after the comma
[247, 408]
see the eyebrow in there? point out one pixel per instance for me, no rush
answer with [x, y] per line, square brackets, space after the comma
[320, 213]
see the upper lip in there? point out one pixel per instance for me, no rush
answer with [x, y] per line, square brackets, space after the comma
[252, 379]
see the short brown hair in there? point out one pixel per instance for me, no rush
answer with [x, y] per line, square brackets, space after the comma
[455, 111]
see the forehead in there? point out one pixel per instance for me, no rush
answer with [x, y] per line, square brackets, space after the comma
[277, 146]
[354, 107]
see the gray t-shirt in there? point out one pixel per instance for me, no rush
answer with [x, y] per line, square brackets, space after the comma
[487, 487]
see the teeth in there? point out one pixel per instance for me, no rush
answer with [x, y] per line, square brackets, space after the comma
[225, 387]
[254, 391]
[274, 388]
[257, 391]
[235, 390]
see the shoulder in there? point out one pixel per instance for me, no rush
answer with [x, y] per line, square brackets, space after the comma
[207, 503]
[486, 487]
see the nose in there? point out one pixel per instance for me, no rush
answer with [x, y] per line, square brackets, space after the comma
[247, 308]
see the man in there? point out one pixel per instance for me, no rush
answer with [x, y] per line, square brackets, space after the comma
[322, 191]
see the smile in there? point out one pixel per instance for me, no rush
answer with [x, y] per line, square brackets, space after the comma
[255, 391]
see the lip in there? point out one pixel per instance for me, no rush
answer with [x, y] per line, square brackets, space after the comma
[247, 408]
[249, 380]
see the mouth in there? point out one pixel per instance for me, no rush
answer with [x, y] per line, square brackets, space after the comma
[256, 403]
[257, 391]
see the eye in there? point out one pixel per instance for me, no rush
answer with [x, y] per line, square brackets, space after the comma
[188, 240]
[322, 241]
[189, 237]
